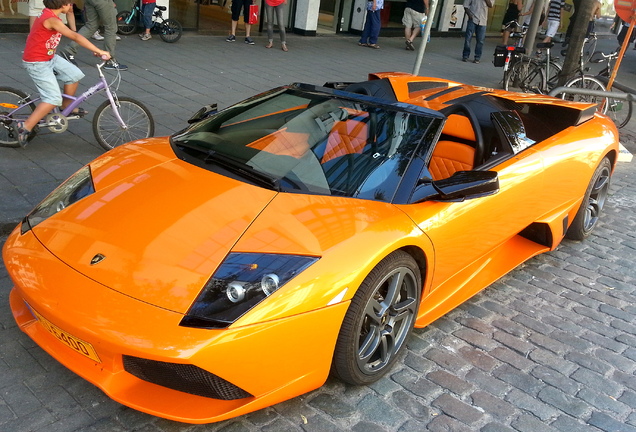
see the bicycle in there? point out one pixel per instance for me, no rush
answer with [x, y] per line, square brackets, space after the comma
[169, 29]
[116, 121]
[507, 55]
[528, 74]
[618, 110]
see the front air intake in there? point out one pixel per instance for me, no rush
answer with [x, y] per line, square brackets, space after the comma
[183, 377]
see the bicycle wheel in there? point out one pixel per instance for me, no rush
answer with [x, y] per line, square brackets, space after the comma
[586, 82]
[619, 110]
[170, 30]
[555, 70]
[108, 130]
[10, 99]
[525, 76]
[126, 25]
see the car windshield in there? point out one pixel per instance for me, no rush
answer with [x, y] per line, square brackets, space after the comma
[308, 142]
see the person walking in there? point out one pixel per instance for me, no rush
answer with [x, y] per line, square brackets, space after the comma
[236, 7]
[147, 8]
[414, 13]
[477, 11]
[372, 24]
[98, 11]
[275, 7]
[511, 19]
[554, 19]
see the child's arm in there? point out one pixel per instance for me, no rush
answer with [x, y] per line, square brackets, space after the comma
[56, 24]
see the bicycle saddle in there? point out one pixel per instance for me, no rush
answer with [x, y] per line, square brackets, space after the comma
[545, 45]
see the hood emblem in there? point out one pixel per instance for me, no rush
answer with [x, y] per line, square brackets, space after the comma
[97, 259]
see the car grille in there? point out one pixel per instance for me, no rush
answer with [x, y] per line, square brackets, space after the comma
[183, 377]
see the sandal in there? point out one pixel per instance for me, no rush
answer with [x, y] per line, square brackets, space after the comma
[374, 46]
[81, 112]
[283, 46]
[363, 44]
[269, 44]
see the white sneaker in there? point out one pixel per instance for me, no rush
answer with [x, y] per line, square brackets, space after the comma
[117, 37]
[97, 36]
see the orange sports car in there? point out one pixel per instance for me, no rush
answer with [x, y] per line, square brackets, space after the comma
[302, 232]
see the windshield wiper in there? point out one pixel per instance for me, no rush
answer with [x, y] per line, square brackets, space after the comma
[243, 170]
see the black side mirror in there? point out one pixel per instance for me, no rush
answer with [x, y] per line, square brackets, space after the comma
[203, 113]
[460, 186]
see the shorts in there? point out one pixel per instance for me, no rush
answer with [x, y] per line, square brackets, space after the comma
[411, 18]
[46, 81]
[36, 7]
[553, 26]
[237, 5]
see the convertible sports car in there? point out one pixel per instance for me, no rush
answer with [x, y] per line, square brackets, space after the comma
[303, 231]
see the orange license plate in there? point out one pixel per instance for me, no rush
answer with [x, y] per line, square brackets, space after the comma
[76, 344]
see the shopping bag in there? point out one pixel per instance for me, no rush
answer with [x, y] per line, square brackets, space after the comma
[253, 14]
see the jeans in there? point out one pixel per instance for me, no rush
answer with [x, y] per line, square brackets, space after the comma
[269, 12]
[45, 80]
[480, 34]
[147, 9]
[372, 27]
[98, 12]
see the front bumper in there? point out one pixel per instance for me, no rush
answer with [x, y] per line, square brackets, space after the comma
[271, 362]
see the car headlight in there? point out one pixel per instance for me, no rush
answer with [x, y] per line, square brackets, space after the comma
[241, 282]
[78, 186]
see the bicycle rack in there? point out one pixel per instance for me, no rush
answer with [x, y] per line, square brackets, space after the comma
[614, 95]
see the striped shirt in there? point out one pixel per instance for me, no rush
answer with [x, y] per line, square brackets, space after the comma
[554, 10]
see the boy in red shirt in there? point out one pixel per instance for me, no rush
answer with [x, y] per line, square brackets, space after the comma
[42, 63]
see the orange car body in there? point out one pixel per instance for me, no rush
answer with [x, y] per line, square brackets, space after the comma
[163, 226]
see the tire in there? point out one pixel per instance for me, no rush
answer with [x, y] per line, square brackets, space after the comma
[9, 99]
[123, 26]
[525, 76]
[593, 201]
[108, 131]
[619, 110]
[170, 30]
[374, 330]
[588, 83]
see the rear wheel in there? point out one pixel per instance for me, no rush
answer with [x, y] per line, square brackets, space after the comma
[170, 30]
[588, 214]
[11, 99]
[525, 76]
[125, 24]
[587, 83]
[108, 130]
[619, 110]
[379, 320]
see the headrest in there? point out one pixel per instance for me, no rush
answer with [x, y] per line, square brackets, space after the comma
[459, 126]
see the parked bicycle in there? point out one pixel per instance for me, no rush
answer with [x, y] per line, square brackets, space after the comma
[116, 121]
[534, 75]
[507, 55]
[169, 29]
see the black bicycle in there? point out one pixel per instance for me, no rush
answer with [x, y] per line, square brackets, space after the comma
[170, 30]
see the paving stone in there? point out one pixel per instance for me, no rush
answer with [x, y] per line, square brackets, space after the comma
[487, 382]
[566, 423]
[595, 381]
[588, 362]
[446, 359]
[318, 423]
[416, 384]
[531, 404]
[478, 358]
[533, 324]
[495, 427]
[511, 327]
[603, 402]
[514, 343]
[512, 358]
[526, 423]
[280, 425]
[476, 338]
[413, 425]
[574, 341]
[494, 406]
[446, 423]
[562, 401]
[379, 412]
[331, 405]
[457, 409]
[410, 405]
[609, 424]
[618, 361]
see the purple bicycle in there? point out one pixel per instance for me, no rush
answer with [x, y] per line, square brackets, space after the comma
[116, 121]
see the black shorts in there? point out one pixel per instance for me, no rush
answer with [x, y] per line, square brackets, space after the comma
[237, 5]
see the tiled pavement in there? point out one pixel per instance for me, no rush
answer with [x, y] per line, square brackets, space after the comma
[549, 347]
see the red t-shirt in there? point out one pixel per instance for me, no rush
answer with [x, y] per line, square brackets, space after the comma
[274, 2]
[42, 42]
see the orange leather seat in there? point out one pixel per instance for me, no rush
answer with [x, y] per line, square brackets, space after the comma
[346, 137]
[451, 156]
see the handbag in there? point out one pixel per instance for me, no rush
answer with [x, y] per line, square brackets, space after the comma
[253, 19]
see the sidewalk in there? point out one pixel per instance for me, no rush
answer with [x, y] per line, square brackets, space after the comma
[550, 347]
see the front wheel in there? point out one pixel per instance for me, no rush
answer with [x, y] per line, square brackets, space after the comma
[10, 100]
[619, 110]
[526, 76]
[588, 214]
[587, 83]
[378, 321]
[109, 131]
[170, 30]
[125, 23]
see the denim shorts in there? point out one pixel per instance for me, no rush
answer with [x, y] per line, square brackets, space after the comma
[42, 74]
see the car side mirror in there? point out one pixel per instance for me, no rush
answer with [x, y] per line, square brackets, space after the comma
[460, 186]
[203, 113]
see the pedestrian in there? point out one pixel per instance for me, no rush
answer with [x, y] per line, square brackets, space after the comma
[275, 7]
[568, 32]
[36, 7]
[372, 24]
[511, 19]
[45, 67]
[554, 19]
[98, 11]
[414, 13]
[147, 8]
[237, 5]
[477, 11]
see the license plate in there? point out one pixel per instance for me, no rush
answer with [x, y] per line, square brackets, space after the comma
[76, 344]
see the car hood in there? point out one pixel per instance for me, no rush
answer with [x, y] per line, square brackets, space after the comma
[163, 226]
